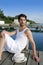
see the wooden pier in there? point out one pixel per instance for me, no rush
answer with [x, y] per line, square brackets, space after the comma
[7, 58]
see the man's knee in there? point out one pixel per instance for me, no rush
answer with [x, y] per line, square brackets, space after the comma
[2, 34]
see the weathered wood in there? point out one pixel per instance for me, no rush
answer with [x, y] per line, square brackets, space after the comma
[30, 60]
[4, 57]
[8, 61]
[41, 57]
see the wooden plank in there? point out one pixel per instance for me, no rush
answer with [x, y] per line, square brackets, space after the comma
[24, 63]
[30, 60]
[4, 56]
[8, 60]
[41, 57]
[25, 51]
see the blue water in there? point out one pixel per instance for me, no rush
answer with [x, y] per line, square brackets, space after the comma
[38, 38]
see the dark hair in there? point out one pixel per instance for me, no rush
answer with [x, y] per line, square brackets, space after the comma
[22, 15]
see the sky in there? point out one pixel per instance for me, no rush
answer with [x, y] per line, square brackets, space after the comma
[32, 8]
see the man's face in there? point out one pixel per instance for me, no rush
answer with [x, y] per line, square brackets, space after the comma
[22, 21]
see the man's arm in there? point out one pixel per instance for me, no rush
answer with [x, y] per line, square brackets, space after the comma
[9, 33]
[30, 37]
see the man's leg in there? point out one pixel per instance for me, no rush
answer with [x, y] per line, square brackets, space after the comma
[2, 43]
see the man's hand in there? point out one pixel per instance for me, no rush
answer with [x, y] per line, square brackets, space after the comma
[36, 58]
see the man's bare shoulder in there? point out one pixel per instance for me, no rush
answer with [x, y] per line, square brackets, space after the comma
[28, 31]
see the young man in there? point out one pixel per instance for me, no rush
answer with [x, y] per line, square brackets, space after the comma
[23, 34]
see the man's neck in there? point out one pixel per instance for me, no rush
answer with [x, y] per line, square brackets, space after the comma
[22, 27]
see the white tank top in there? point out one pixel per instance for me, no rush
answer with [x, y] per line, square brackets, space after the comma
[21, 39]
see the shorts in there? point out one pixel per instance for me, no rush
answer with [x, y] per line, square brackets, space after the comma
[10, 44]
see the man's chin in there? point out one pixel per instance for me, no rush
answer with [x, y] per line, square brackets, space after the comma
[22, 24]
